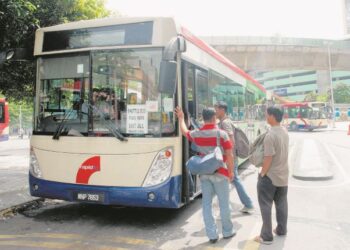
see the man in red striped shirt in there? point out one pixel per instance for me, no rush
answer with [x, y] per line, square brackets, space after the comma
[205, 140]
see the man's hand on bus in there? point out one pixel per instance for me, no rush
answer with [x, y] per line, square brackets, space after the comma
[179, 113]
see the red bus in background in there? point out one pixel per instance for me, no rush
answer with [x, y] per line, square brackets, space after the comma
[302, 115]
[4, 120]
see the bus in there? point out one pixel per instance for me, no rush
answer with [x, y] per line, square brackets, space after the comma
[4, 120]
[104, 130]
[303, 115]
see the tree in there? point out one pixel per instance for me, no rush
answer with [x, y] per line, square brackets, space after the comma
[313, 97]
[18, 21]
[310, 97]
[341, 93]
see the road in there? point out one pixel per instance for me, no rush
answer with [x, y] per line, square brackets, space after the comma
[14, 162]
[319, 216]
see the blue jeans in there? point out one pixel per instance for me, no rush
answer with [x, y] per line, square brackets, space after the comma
[243, 196]
[216, 185]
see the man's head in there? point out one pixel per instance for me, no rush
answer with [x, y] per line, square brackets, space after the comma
[274, 115]
[209, 115]
[221, 109]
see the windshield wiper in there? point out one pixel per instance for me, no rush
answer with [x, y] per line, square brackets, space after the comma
[58, 132]
[108, 124]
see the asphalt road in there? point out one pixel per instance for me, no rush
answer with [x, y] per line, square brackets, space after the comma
[319, 216]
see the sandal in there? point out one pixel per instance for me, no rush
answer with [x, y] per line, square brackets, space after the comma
[262, 241]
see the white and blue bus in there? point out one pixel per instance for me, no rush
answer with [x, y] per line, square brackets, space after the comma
[104, 128]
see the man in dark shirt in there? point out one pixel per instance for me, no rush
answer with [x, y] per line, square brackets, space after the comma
[226, 124]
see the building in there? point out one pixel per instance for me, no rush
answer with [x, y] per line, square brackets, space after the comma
[298, 83]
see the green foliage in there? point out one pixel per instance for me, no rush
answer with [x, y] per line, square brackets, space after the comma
[313, 97]
[23, 111]
[18, 21]
[310, 97]
[341, 93]
[322, 98]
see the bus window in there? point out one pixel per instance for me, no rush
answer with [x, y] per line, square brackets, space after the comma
[190, 91]
[64, 88]
[223, 89]
[129, 96]
[202, 97]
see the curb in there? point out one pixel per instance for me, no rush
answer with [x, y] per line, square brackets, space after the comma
[11, 211]
[320, 178]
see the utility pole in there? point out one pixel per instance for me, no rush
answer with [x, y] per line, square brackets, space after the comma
[20, 122]
[331, 82]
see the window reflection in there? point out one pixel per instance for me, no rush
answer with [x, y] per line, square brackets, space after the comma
[125, 90]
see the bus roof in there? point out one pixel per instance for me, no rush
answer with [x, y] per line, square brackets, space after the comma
[294, 104]
[169, 30]
[211, 51]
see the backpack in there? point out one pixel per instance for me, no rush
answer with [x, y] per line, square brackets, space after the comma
[242, 145]
[256, 153]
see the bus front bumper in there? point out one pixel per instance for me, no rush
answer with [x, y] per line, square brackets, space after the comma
[164, 195]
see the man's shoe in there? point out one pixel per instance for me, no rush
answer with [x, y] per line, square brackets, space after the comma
[247, 210]
[213, 241]
[275, 232]
[228, 237]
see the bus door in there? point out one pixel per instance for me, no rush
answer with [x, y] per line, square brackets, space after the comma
[193, 79]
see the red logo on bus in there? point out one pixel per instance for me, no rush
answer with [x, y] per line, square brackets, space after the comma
[88, 168]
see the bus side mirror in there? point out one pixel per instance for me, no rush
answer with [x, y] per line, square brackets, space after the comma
[167, 77]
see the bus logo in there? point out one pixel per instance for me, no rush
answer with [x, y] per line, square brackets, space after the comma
[88, 168]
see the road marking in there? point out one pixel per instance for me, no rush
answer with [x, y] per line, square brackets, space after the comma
[53, 245]
[250, 243]
[125, 240]
[132, 241]
[320, 186]
[337, 163]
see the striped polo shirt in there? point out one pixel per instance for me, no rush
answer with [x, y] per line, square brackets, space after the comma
[205, 140]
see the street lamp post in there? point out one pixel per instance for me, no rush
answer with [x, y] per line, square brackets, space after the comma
[331, 82]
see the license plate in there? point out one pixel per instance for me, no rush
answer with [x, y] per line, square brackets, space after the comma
[89, 196]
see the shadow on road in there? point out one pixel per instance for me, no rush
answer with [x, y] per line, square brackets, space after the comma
[107, 215]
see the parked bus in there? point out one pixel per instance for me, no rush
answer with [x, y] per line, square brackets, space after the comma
[304, 116]
[4, 120]
[104, 128]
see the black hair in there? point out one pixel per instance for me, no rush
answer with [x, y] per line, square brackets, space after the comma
[222, 105]
[275, 112]
[208, 114]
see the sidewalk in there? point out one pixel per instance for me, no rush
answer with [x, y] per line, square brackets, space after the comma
[339, 126]
[14, 167]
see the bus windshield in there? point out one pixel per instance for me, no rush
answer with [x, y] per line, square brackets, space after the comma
[121, 91]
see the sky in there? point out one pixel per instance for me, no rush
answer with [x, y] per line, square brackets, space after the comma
[289, 18]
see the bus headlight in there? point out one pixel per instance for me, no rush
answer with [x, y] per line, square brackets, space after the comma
[160, 169]
[34, 165]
